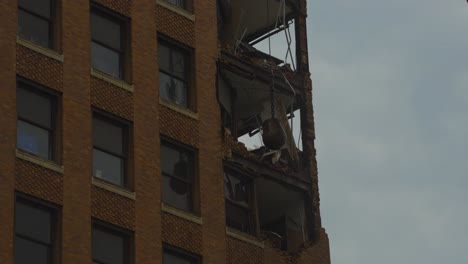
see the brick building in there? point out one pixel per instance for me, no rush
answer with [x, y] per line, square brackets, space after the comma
[120, 134]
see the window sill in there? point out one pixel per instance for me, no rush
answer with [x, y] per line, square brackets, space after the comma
[181, 214]
[113, 188]
[176, 9]
[44, 51]
[244, 237]
[109, 79]
[39, 161]
[179, 109]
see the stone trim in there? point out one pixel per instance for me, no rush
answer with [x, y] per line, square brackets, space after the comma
[112, 188]
[39, 161]
[177, 10]
[187, 216]
[109, 79]
[245, 237]
[178, 109]
[44, 51]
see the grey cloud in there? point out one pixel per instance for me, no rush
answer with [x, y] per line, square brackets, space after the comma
[391, 104]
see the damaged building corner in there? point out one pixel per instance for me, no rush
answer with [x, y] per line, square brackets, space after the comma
[271, 191]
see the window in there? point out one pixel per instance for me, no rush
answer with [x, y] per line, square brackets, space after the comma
[37, 115]
[176, 256]
[237, 193]
[178, 171]
[183, 4]
[109, 42]
[110, 150]
[35, 233]
[174, 73]
[35, 21]
[111, 246]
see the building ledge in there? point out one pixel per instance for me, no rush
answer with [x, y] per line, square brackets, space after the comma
[187, 216]
[112, 188]
[44, 51]
[244, 237]
[39, 161]
[109, 79]
[177, 10]
[178, 109]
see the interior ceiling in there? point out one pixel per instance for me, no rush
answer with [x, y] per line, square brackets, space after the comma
[256, 16]
[253, 95]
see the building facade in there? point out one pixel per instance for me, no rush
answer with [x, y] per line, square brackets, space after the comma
[121, 126]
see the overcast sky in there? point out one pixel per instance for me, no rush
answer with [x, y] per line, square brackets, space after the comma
[391, 111]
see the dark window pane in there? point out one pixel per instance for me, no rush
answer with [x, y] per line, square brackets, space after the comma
[178, 64]
[173, 89]
[169, 258]
[237, 217]
[108, 136]
[33, 222]
[236, 189]
[163, 57]
[108, 247]
[33, 29]
[177, 162]
[40, 7]
[106, 60]
[33, 139]
[179, 3]
[34, 107]
[173, 61]
[176, 193]
[108, 167]
[105, 31]
[28, 252]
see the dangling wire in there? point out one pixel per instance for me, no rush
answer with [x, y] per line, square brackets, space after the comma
[268, 20]
[272, 94]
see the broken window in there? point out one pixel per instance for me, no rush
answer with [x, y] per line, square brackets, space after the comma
[238, 202]
[178, 173]
[174, 73]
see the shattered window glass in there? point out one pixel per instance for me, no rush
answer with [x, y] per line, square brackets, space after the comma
[173, 73]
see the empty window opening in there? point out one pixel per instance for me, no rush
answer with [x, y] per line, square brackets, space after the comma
[282, 215]
[238, 194]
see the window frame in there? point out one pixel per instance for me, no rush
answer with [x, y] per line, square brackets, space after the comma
[175, 251]
[51, 21]
[251, 209]
[129, 245]
[55, 224]
[125, 43]
[194, 183]
[126, 146]
[188, 5]
[189, 81]
[54, 97]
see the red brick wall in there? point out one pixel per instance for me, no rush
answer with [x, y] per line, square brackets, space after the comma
[39, 181]
[80, 200]
[111, 98]
[39, 68]
[8, 18]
